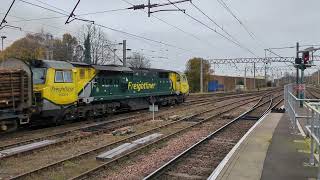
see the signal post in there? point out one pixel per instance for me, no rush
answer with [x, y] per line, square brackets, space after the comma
[303, 63]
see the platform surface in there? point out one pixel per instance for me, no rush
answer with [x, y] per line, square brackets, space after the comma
[288, 155]
[270, 151]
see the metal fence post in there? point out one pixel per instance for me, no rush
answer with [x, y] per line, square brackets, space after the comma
[296, 112]
[311, 139]
[308, 117]
[317, 130]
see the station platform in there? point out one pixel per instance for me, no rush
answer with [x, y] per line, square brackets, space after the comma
[272, 150]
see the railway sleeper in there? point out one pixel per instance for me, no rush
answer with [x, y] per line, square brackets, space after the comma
[195, 170]
[194, 119]
[176, 175]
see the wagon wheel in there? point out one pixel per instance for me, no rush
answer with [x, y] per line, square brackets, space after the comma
[10, 126]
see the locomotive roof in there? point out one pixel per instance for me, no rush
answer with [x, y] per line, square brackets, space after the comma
[70, 64]
[79, 63]
[52, 64]
[112, 68]
[152, 70]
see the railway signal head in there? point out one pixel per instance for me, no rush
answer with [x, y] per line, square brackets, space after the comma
[305, 57]
[298, 60]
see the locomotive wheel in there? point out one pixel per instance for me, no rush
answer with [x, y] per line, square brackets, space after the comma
[58, 120]
[89, 115]
[8, 126]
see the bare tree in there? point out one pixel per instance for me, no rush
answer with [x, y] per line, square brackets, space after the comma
[46, 41]
[101, 48]
[78, 53]
[137, 60]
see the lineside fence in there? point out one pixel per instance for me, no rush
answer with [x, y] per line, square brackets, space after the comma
[308, 112]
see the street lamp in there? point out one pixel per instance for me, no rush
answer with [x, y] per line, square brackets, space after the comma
[2, 38]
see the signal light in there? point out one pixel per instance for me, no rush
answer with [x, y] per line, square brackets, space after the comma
[305, 57]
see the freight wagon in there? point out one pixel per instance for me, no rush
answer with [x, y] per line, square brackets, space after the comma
[61, 91]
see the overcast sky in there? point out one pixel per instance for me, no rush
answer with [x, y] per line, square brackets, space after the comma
[274, 23]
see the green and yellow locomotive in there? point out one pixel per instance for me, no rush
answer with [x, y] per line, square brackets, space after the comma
[64, 91]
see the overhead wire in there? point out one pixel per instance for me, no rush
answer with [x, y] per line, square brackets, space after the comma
[55, 27]
[108, 46]
[169, 24]
[5, 16]
[214, 22]
[251, 34]
[223, 4]
[42, 7]
[51, 6]
[113, 29]
[214, 30]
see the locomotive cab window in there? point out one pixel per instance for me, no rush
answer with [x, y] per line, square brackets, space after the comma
[67, 76]
[178, 78]
[39, 75]
[63, 76]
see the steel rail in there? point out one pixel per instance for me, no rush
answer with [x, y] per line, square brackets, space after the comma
[105, 123]
[91, 172]
[173, 161]
[21, 176]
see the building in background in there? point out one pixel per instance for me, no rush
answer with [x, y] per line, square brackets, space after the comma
[232, 83]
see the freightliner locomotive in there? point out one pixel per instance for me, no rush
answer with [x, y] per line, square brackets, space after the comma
[59, 91]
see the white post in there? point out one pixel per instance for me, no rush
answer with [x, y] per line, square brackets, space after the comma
[152, 111]
[318, 76]
[254, 75]
[201, 76]
[245, 79]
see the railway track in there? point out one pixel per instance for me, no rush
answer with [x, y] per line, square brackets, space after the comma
[313, 92]
[198, 161]
[204, 122]
[84, 124]
[21, 138]
[110, 124]
[89, 156]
